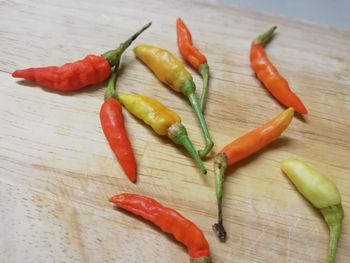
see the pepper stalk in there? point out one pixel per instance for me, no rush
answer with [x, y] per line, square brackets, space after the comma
[204, 72]
[111, 91]
[113, 56]
[188, 88]
[178, 134]
[265, 37]
[200, 260]
[220, 164]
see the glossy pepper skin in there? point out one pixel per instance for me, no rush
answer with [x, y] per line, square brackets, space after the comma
[241, 148]
[322, 193]
[172, 72]
[170, 221]
[269, 75]
[193, 56]
[162, 120]
[112, 123]
[93, 69]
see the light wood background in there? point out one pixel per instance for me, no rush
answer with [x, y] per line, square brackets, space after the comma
[57, 171]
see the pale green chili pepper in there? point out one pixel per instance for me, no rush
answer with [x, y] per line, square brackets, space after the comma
[322, 193]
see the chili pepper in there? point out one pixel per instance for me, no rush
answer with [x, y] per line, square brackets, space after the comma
[193, 56]
[113, 127]
[162, 120]
[74, 76]
[170, 221]
[269, 75]
[173, 73]
[241, 148]
[322, 193]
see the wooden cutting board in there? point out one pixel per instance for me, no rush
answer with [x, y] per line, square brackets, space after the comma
[57, 170]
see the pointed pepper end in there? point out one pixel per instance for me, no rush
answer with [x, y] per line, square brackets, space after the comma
[133, 179]
[16, 74]
[117, 198]
[27, 74]
[112, 199]
[290, 111]
[179, 21]
[302, 110]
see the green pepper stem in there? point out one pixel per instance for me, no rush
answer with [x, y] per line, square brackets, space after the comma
[113, 56]
[220, 164]
[111, 90]
[178, 134]
[264, 38]
[204, 71]
[200, 260]
[333, 215]
[188, 88]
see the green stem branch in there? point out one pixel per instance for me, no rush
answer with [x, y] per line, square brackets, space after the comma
[204, 71]
[264, 38]
[200, 260]
[111, 90]
[113, 56]
[333, 215]
[178, 134]
[188, 88]
[220, 164]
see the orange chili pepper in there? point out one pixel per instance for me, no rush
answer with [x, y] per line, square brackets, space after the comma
[242, 147]
[269, 75]
[193, 56]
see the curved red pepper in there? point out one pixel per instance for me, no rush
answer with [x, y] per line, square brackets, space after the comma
[269, 75]
[170, 221]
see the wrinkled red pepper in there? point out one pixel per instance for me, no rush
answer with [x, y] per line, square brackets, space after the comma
[170, 221]
[74, 76]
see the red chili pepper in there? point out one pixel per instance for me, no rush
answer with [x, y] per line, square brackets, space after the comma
[79, 74]
[193, 56]
[170, 221]
[113, 127]
[270, 77]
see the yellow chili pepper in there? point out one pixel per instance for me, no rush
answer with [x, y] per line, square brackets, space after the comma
[172, 72]
[162, 120]
[322, 193]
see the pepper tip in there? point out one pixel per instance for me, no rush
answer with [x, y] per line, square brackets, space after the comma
[111, 199]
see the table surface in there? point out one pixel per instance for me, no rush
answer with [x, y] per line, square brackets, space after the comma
[57, 170]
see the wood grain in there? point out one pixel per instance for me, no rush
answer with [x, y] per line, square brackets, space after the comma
[57, 171]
